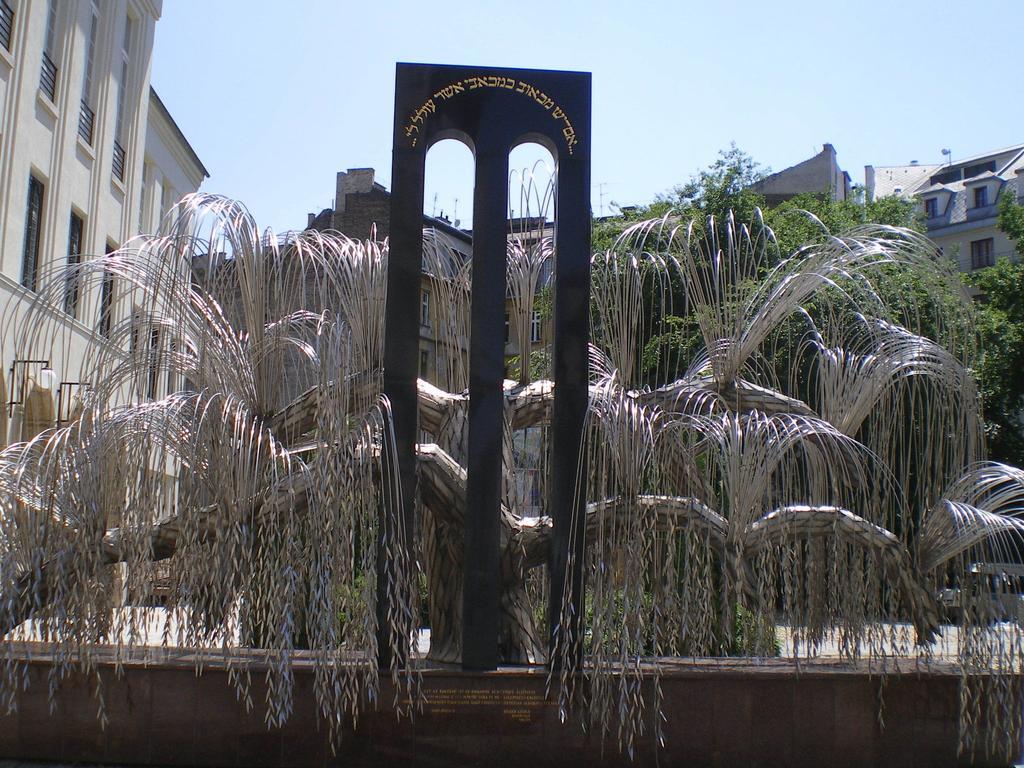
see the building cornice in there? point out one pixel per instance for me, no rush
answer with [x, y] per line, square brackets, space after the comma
[963, 226]
[25, 297]
[177, 138]
[153, 7]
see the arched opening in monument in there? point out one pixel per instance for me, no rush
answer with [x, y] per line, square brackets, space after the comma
[530, 270]
[531, 176]
[443, 307]
[527, 240]
[530, 291]
[443, 362]
[448, 182]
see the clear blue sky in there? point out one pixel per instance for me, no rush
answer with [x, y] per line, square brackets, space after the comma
[277, 97]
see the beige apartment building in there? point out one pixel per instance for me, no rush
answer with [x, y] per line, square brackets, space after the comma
[959, 201]
[89, 158]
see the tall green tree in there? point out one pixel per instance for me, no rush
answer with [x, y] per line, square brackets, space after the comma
[794, 228]
[1001, 326]
[723, 186]
[713, 191]
[1011, 220]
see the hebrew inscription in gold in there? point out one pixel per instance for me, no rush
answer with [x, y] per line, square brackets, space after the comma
[420, 115]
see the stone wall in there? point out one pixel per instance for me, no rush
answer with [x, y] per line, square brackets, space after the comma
[721, 713]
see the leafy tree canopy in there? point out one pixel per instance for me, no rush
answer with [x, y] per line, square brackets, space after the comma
[1011, 220]
[794, 228]
[725, 186]
[1001, 326]
[722, 186]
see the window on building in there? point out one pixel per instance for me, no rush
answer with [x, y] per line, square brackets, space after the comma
[121, 123]
[424, 363]
[33, 234]
[144, 346]
[172, 378]
[425, 309]
[143, 197]
[87, 114]
[133, 343]
[535, 327]
[546, 271]
[979, 168]
[106, 304]
[75, 229]
[982, 253]
[165, 200]
[118, 160]
[453, 321]
[931, 208]
[6, 24]
[106, 318]
[153, 363]
[48, 73]
[147, 350]
[980, 197]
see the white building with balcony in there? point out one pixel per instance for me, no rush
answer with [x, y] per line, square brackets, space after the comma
[89, 157]
[959, 201]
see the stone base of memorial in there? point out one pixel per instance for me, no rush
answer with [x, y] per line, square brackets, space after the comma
[732, 712]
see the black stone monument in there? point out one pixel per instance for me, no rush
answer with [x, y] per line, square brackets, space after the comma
[492, 111]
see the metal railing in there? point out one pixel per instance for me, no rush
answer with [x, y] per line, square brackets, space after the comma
[6, 24]
[48, 78]
[86, 121]
[118, 163]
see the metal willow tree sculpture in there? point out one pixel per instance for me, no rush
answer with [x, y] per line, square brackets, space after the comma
[815, 463]
[188, 447]
[773, 441]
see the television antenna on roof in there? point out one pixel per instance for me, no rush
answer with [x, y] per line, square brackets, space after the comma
[600, 188]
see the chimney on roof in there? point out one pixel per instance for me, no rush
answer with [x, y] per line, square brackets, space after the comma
[352, 181]
[309, 220]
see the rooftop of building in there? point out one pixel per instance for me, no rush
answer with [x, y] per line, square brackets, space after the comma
[954, 185]
[919, 178]
[901, 179]
[165, 113]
